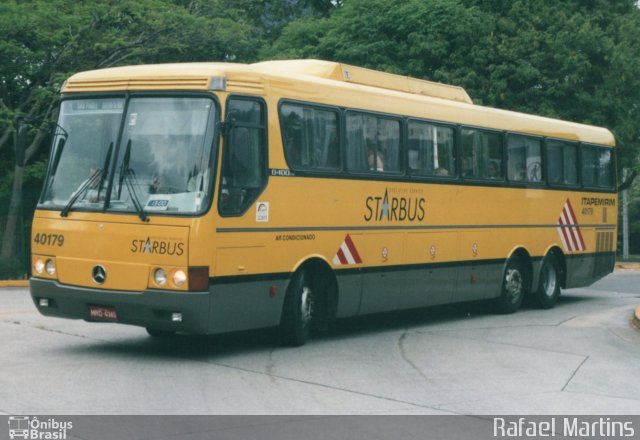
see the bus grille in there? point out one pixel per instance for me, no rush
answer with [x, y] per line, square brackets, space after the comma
[605, 257]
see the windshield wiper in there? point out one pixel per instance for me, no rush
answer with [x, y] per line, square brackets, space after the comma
[128, 177]
[96, 177]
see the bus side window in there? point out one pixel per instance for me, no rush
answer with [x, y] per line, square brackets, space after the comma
[244, 157]
[596, 167]
[481, 154]
[310, 137]
[562, 162]
[372, 143]
[431, 150]
[524, 159]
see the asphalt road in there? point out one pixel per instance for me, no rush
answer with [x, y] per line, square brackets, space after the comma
[583, 357]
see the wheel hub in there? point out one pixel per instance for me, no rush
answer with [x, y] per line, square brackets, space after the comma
[549, 281]
[513, 284]
[306, 304]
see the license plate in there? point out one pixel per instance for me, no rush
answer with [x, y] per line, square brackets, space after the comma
[103, 313]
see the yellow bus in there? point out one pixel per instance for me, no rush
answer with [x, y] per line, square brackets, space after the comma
[216, 197]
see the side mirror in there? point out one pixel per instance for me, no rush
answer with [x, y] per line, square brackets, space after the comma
[21, 144]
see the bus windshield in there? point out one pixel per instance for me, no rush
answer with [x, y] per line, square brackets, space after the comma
[150, 155]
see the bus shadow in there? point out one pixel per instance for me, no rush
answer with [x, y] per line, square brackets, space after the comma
[216, 347]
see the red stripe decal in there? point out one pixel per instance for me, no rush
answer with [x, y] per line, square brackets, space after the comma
[352, 249]
[567, 239]
[341, 257]
[577, 228]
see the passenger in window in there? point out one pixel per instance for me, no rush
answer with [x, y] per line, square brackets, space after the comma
[375, 160]
[441, 171]
[521, 173]
[197, 180]
[154, 187]
[92, 189]
[238, 176]
[467, 171]
[414, 160]
[224, 193]
[493, 170]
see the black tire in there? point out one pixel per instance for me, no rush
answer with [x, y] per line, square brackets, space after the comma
[298, 310]
[548, 291]
[514, 287]
[155, 333]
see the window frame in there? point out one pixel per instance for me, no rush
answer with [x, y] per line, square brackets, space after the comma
[214, 147]
[455, 173]
[598, 148]
[455, 177]
[543, 172]
[340, 138]
[264, 150]
[401, 147]
[485, 181]
[550, 184]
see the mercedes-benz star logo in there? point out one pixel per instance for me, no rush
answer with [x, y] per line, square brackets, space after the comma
[99, 274]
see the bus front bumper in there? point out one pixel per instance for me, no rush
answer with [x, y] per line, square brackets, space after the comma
[155, 309]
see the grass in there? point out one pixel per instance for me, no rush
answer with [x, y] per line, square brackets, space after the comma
[631, 259]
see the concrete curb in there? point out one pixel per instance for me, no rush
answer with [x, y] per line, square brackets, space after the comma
[636, 318]
[627, 266]
[14, 283]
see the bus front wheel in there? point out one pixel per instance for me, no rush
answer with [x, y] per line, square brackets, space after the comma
[298, 310]
[513, 287]
[548, 290]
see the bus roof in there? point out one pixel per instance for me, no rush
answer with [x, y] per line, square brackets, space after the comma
[334, 84]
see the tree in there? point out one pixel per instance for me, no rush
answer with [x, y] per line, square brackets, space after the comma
[46, 41]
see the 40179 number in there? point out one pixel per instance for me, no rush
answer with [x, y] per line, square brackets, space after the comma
[49, 239]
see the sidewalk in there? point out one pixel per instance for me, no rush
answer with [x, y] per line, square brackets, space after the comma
[636, 318]
[627, 266]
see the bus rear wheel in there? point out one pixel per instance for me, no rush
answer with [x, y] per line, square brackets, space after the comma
[513, 287]
[548, 290]
[298, 310]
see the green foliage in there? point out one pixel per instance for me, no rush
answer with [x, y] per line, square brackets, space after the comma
[45, 41]
[12, 269]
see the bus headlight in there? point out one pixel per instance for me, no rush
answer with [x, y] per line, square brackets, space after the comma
[39, 266]
[160, 276]
[179, 278]
[50, 267]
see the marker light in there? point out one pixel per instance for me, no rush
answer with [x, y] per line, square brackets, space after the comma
[50, 267]
[39, 266]
[218, 83]
[179, 278]
[176, 317]
[160, 276]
